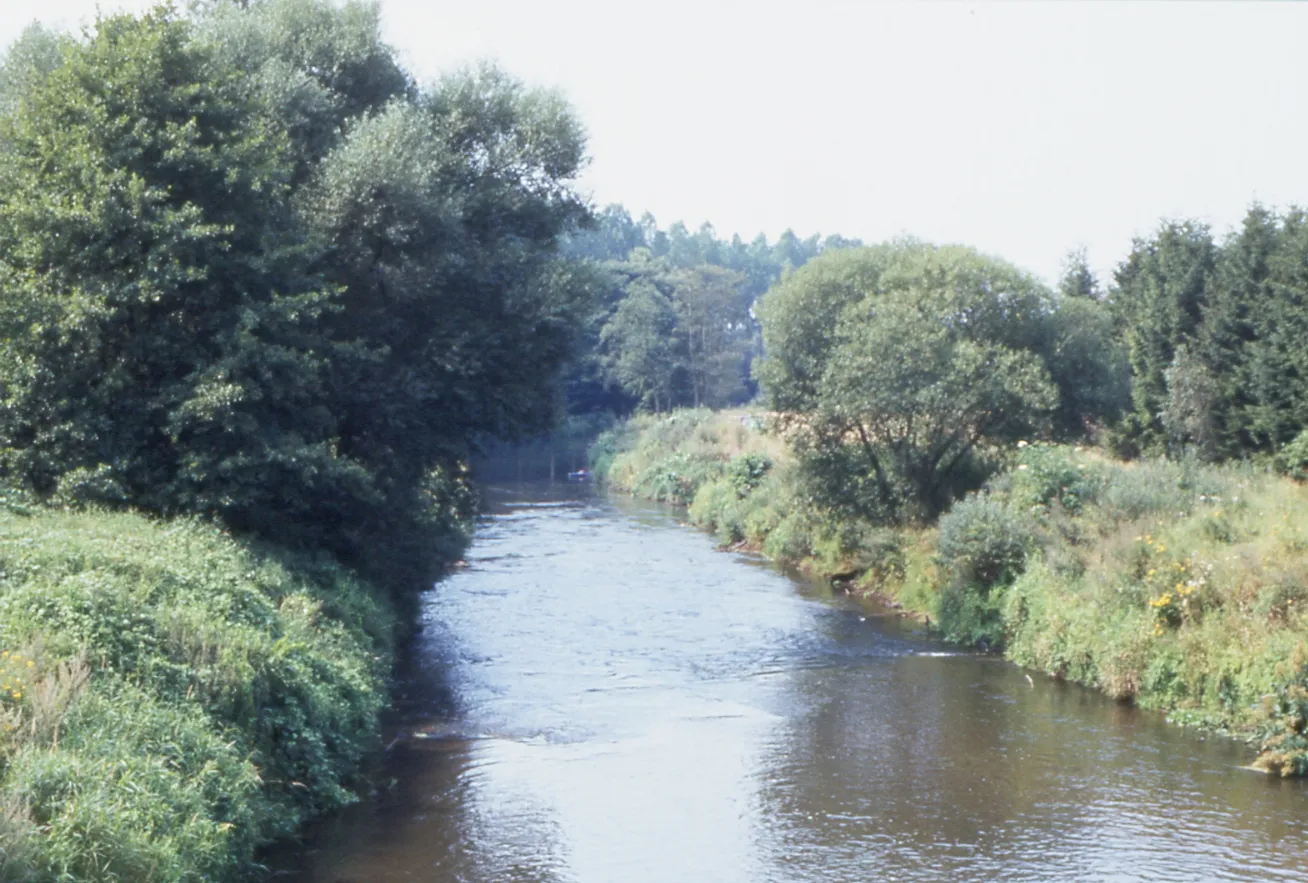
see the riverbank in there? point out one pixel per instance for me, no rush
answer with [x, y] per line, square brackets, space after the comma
[173, 698]
[1178, 587]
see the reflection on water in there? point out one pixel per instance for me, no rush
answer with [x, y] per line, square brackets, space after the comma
[602, 697]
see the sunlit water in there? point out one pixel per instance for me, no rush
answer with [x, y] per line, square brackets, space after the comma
[606, 698]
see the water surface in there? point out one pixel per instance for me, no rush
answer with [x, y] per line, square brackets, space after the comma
[602, 697]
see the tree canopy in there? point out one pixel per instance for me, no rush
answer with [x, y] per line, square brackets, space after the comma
[698, 351]
[893, 368]
[1215, 335]
[249, 270]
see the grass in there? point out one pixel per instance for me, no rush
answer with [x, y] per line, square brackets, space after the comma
[175, 698]
[1175, 585]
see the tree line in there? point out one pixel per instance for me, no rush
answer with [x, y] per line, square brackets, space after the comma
[904, 371]
[672, 322]
[250, 269]
[1215, 332]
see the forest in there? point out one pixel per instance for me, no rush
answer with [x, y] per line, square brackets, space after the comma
[264, 298]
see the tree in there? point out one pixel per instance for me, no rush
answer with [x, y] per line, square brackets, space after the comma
[640, 344]
[892, 366]
[714, 323]
[1159, 300]
[1191, 394]
[248, 271]
[322, 65]
[160, 344]
[1078, 279]
[1240, 291]
[612, 236]
[712, 284]
[31, 58]
[1087, 362]
[1275, 369]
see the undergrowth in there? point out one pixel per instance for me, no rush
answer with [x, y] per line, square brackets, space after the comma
[174, 699]
[1176, 585]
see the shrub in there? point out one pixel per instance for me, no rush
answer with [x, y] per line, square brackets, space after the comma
[1284, 743]
[188, 697]
[716, 507]
[1048, 474]
[747, 471]
[982, 543]
[1292, 460]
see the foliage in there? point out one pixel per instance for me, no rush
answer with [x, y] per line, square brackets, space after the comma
[178, 698]
[1047, 475]
[1293, 458]
[1159, 299]
[1191, 396]
[745, 472]
[983, 546]
[675, 336]
[894, 367]
[1087, 361]
[248, 270]
[1078, 280]
[1213, 331]
[673, 326]
[1177, 585]
[983, 543]
[640, 350]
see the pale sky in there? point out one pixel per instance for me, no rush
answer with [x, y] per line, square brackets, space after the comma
[1023, 129]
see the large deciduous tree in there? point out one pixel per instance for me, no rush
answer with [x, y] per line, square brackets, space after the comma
[249, 270]
[892, 366]
[640, 350]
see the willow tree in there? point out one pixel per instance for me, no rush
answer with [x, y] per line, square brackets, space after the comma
[893, 367]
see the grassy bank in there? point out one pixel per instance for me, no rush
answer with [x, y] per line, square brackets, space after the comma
[173, 699]
[1178, 586]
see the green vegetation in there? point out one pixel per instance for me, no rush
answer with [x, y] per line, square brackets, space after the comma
[261, 297]
[1180, 586]
[1214, 331]
[173, 698]
[250, 271]
[931, 400]
[672, 325]
[896, 370]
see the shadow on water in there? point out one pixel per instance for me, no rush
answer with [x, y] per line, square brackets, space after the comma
[602, 696]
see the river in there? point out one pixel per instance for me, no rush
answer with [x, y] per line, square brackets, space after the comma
[601, 697]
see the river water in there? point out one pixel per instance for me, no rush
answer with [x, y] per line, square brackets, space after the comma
[602, 697]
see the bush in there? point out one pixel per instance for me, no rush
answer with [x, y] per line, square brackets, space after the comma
[747, 471]
[1292, 460]
[982, 543]
[716, 507]
[1049, 474]
[231, 694]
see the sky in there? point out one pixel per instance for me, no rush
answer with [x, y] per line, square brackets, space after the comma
[1023, 129]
